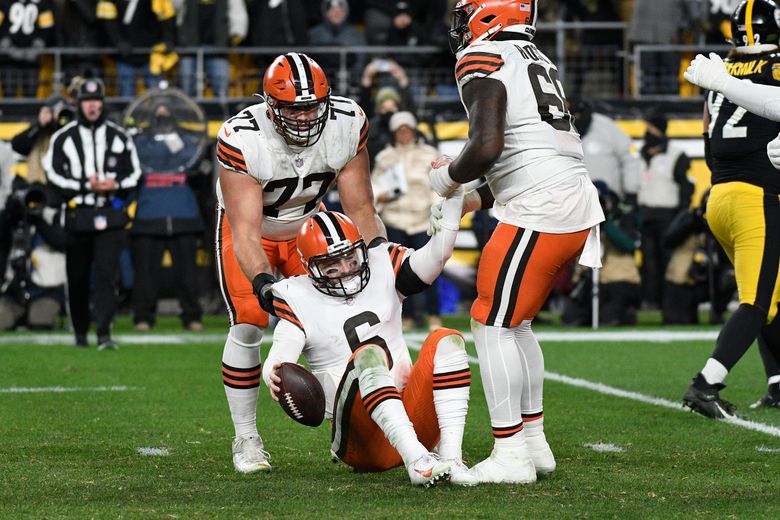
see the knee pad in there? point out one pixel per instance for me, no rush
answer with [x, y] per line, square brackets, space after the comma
[246, 335]
[451, 343]
[370, 356]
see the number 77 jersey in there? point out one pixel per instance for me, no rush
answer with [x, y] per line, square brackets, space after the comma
[294, 178]
[540, 141]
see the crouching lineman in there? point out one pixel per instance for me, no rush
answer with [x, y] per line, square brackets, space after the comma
[346, 319]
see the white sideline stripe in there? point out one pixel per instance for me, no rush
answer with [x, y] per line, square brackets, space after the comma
[63, 389]
[654, 336]
[635, 396]
[765, 449]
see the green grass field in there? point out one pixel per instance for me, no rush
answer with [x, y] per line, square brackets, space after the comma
[74, 452]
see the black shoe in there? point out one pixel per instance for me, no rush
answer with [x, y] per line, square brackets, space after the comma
[704, 398]
[107, 344]
[770, 400]
[81, 341]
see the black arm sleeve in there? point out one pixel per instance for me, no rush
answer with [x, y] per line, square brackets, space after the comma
[407, 282]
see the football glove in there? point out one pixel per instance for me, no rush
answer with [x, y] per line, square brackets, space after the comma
[447, 213]
[261, 286]
[773, 152]
[708, 73]
[471, 202]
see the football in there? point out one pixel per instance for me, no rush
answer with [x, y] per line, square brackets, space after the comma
[301, 395]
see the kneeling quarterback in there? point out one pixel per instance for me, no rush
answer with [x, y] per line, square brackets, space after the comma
[345, 317]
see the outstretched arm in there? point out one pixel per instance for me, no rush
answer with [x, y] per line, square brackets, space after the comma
[427, 263]
[711, 74]
[288, 344]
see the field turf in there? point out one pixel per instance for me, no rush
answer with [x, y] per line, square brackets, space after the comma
[144, 432]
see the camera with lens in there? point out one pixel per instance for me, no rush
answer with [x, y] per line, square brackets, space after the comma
[24, 210]
[29, 199]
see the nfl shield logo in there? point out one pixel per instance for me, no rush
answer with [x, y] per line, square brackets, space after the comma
[298, 162]
[101, 223]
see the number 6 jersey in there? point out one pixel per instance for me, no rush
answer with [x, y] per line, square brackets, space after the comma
[540, 181]
[294, 178]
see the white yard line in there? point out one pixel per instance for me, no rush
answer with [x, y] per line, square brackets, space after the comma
[63, 389]
[635, 396]
[654, 336]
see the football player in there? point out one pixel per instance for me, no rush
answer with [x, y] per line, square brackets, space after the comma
[345, 317]
[743, 210]
[277, 159]
[523, 141]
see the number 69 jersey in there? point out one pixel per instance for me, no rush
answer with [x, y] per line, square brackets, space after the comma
[294, 179]
[738, 138]
[329, 329]
[542, 159]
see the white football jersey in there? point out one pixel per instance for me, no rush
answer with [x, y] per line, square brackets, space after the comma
[540, 180]
[334, 327]
[294, 179]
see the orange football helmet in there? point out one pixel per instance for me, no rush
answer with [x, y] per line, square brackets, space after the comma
[334, 254]
[477, 20]
[298, 96]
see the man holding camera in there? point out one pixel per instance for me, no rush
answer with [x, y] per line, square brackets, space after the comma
[94, 165]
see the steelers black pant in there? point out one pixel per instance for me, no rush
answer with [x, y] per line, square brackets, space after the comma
[745, 220]
[87, 254]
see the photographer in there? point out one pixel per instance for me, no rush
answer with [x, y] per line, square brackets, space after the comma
[619, 276]
[33, 142]
[698, 270]
[93, 164]
[32, 292]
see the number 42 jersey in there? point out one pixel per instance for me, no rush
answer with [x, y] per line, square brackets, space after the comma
[294, 178]
[540, 181]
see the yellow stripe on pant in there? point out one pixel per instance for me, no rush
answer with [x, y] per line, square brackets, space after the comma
[746, 221]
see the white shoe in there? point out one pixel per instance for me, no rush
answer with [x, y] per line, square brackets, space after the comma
[541, 454]
[428, 470]
[459, 473]
[249, 455]
[506, 466]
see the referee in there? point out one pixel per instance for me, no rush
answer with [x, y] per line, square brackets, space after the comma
[93, 163]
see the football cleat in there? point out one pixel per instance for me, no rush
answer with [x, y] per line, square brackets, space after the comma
[506, 466]
[541, 454]
[459, 473]
[249, 455]
[428, 470]
[770, 400]
[704, 398]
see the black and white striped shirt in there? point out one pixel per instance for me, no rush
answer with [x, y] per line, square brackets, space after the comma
[78, 152]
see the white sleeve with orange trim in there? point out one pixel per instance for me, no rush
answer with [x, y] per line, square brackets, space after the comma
[287, 346]
[230, 150]
[352, 134]
[477, 61]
